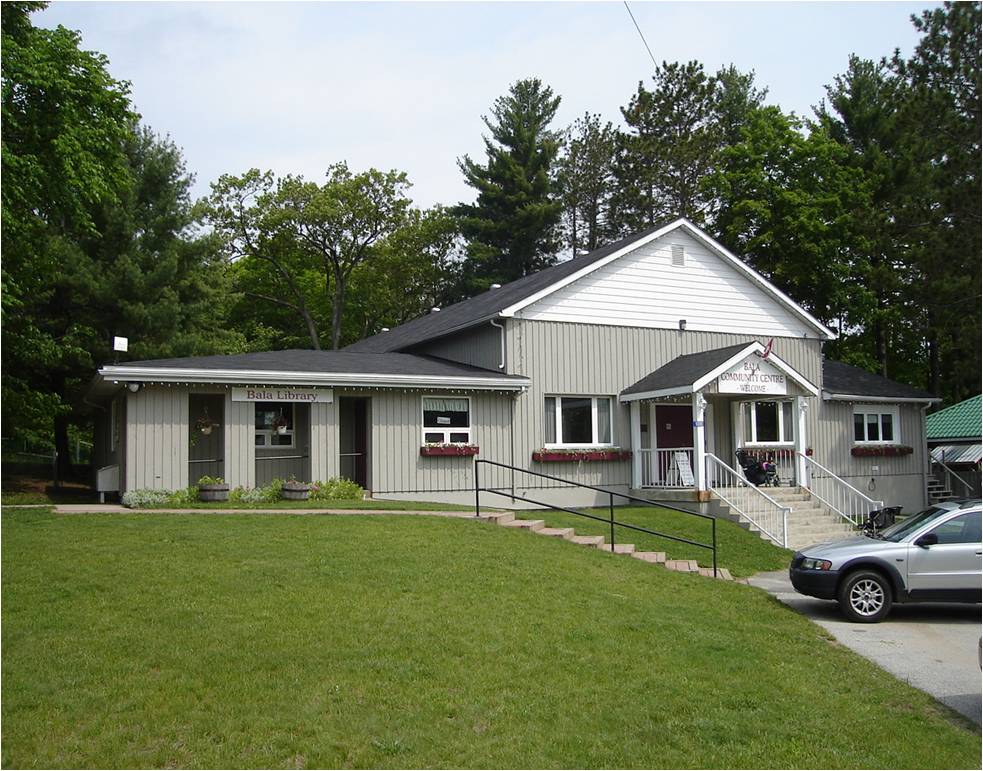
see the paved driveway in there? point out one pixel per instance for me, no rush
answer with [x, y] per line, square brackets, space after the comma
[931, 646]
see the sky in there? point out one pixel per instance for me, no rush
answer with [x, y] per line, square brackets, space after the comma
[295, 87]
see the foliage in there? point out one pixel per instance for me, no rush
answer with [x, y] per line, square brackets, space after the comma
[206, 480]
[269, 493]
[511, 227]
[584, 174]
[336, 489]
[249, 641]
[145, 499]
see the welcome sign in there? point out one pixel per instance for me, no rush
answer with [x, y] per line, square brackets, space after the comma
[298, 395]
[753, 376]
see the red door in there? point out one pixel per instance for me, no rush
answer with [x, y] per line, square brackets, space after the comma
[673, 426]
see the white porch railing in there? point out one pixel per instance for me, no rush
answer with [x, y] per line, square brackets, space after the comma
[837, 494]
[749, 502]
[664, 468]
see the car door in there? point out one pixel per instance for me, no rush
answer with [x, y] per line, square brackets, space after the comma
[951, 568]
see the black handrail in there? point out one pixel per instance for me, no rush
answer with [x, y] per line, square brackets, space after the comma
[611, 495]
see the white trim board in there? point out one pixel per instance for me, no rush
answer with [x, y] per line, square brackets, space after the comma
[880, 399]
[783, 299]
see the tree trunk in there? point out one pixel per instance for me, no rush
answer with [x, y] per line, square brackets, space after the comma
[64, 460]
[336, 310]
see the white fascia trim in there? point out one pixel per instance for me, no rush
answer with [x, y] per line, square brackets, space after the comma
[588, 269]
[191, 375]
[756, 347]
[656, 394]
[827, 396]
[756, 277]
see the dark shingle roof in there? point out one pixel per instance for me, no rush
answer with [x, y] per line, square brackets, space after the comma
[327, 362]
[960, 421]
[684, 370]
[840, 378]
[486, 305]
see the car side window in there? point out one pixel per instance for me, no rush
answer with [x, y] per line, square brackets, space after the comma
[962, 529]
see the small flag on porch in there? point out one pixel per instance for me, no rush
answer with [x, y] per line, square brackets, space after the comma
[767, 351]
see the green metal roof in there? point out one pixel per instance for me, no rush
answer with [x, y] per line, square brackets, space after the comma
[958, 421]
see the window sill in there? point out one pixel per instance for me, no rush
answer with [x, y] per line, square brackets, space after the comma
[455, 450]
[881, 450]
[560, 456]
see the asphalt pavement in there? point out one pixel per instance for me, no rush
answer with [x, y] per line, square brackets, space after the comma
[932, 646]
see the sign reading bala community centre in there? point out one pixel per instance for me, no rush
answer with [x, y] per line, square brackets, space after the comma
[274, 394]
[753, 376]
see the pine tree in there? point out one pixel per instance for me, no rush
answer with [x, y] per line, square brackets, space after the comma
[511, 228]
[584, 177]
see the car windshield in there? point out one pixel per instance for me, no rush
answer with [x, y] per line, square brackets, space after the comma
[902, 529]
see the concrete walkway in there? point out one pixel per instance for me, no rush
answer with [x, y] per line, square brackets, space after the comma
[931, 646]
[109, 508]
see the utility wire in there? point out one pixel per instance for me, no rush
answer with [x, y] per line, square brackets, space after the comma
[644, 41]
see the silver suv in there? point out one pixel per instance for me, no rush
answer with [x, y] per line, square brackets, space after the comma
[933, 556]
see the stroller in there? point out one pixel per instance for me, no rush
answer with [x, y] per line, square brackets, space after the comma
[879, 519]
[758, 473]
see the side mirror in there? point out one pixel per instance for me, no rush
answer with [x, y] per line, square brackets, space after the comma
[929, 539]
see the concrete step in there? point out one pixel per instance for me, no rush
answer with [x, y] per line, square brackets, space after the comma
[566, 533]
[656, 557]
[619, 548]
[526, 524]
[587, 540]
[683, 566]
[723, 574]
[497, 518]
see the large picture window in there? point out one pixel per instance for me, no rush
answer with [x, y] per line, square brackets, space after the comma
[578, 421]
[768, 423]
[875, 425]
[446, 420]
[274, 424]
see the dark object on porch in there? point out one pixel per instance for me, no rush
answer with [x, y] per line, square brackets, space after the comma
[881, 518]
[758, 473]
[295, 491]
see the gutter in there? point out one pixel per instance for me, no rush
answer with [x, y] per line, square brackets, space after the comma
[122, 374]
[501, 328]
[878, 399]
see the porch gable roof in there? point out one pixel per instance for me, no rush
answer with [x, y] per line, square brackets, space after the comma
[690, 373]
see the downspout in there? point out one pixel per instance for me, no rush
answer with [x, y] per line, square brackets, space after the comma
[501, 328]
[927, 464]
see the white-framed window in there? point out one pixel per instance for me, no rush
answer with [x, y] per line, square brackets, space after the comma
[274, 424]
[876, 424]
[446, 420]
[578, 421]
[768, 423]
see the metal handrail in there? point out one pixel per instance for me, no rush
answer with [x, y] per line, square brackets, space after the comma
[859, 517]
[741, 483]
[949, 472]
[611, 496]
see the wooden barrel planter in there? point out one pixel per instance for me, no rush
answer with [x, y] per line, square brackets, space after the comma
[213, 492]
[295, 491]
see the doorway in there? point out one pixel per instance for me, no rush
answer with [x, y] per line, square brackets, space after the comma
[206, 436]
[353, 440]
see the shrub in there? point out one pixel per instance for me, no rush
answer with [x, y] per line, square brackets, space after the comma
[183, 497]
[211, 481]
[145, 499]
[336, 490]
[268, 494]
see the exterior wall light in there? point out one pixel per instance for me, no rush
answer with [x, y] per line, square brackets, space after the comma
[682, 325]
[134, 387]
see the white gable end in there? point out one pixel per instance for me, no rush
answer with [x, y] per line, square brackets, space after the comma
[652, 287]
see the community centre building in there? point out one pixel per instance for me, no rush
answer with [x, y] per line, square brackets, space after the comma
[643, 366]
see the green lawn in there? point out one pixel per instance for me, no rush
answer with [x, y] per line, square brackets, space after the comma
[242, 641]
[354, 504]
[740, 551]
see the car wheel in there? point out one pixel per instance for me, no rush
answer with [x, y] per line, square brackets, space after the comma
[865, 597]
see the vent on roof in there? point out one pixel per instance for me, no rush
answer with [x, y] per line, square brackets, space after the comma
[678, 256]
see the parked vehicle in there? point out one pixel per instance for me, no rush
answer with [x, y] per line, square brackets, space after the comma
[933, 556]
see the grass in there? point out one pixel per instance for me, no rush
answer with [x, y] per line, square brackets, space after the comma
[246, 641]
[353, 504]
[740, 551]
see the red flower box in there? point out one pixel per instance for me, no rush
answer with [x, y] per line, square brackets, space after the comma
[881, 451]
[559, 456]
[461, 449]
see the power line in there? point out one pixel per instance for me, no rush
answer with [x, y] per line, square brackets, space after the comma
[644, 41]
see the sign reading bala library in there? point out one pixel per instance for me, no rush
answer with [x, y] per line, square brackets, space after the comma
[276, 394]
[753, 376]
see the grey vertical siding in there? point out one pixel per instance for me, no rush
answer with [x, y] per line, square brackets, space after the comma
[240, 443]
[480, 347]
[396, 435]
[897, 481]
[324, 440]
[157, 439]
[598, 360]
